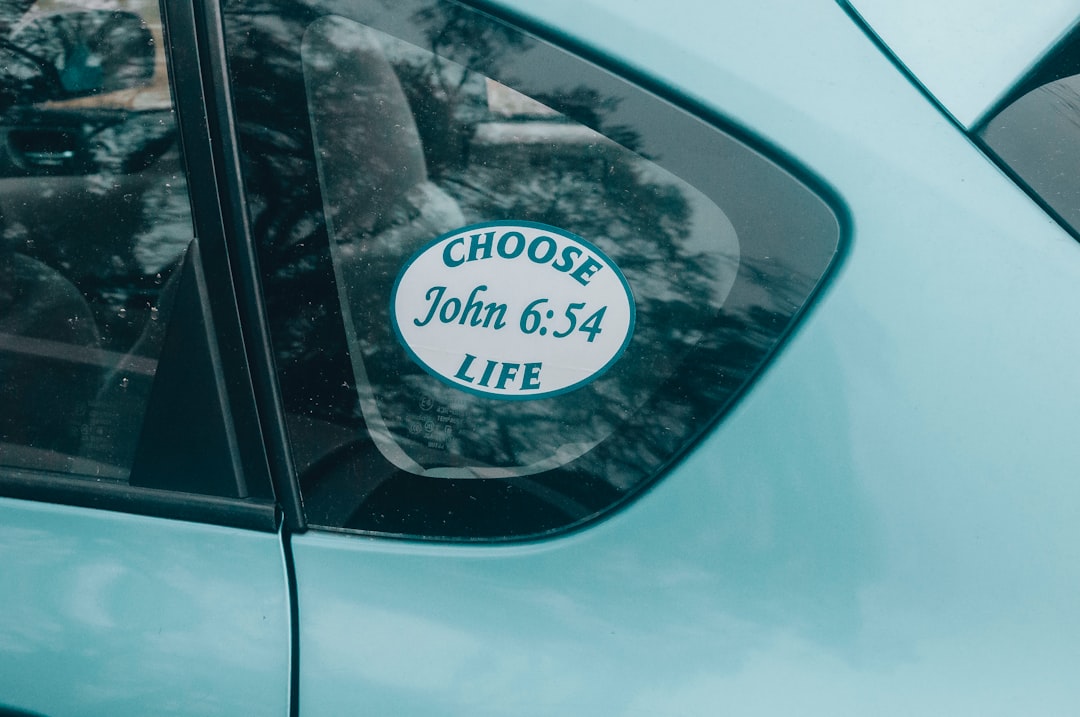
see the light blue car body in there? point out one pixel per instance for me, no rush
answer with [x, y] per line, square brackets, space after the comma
[104, 613]
[887, 523]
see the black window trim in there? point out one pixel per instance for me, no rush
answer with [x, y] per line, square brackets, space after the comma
[196, 47]
[249, 514]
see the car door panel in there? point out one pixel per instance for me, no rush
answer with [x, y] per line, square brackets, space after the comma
[141, 567]
[105, 613]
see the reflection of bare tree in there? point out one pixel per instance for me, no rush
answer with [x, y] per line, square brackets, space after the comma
[114, 170]
[286, 213]
[588, 107]
[445, 85]
[691, 350]
[94, 212]
[454, 34]
[643, 225]
[679, 262]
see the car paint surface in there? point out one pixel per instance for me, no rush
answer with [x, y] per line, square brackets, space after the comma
[887, 522]
[968, 53]
[104, 613]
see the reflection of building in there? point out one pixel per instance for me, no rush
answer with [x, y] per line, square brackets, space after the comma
[153, 96]
[506, 102]
[521, 130]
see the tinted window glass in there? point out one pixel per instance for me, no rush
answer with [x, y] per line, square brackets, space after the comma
[95, 218]
[1036, 133]
[506, 288]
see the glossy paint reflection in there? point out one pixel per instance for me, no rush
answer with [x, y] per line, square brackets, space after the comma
[682, 593]
[104, 613]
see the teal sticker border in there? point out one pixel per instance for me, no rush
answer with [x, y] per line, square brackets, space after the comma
[508, 223]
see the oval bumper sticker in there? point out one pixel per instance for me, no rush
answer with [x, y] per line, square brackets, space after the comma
[512, 310]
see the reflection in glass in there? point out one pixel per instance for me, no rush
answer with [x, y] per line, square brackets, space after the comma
[1038, 137]
[94, 218]
[677, 249]
[367, 130]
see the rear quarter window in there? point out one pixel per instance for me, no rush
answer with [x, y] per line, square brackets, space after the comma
[507, 288]
[1035, 133]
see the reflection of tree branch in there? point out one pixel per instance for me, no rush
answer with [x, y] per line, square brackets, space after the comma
[645, 223]
[586, 106]
[438, 84]
[42, 65]
[49, 76]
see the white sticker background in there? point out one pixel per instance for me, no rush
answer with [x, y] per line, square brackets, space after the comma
[513, 310]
